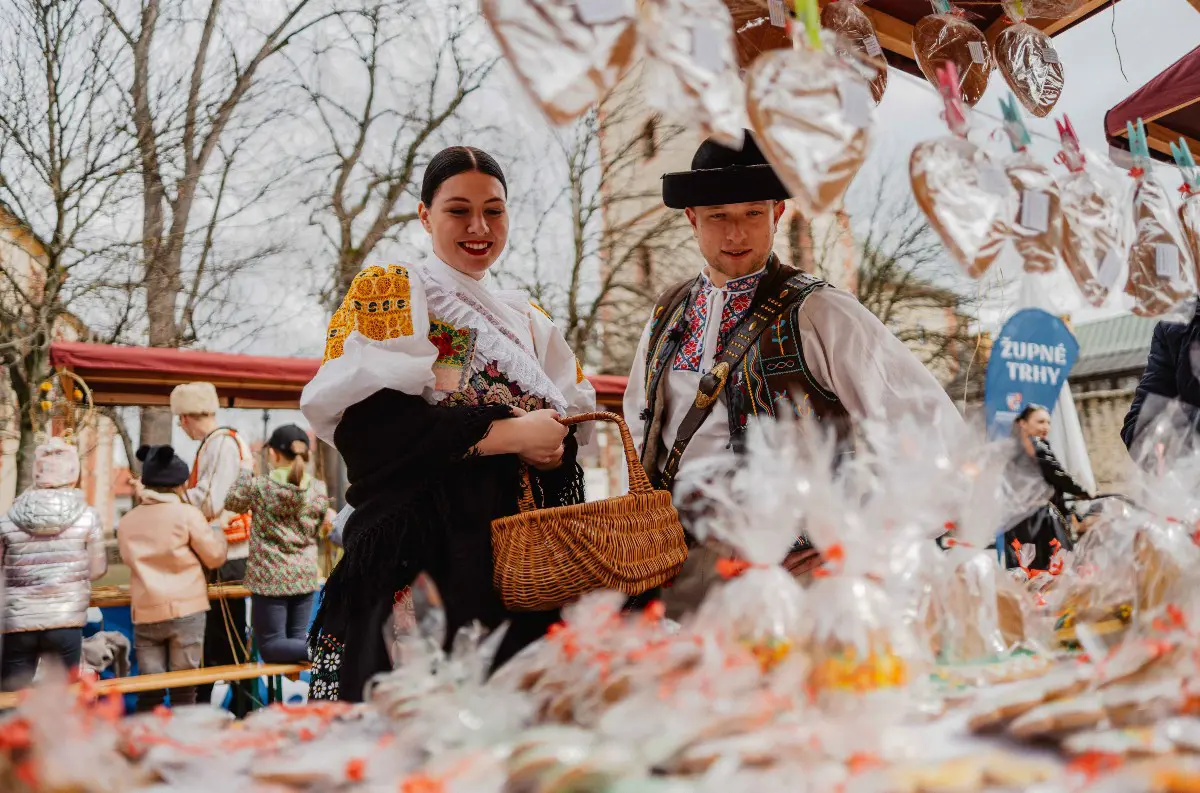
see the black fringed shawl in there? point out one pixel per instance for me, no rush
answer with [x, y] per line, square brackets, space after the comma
[421, 504]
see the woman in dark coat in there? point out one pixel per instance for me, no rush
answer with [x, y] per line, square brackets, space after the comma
[1032, 428]
[438, 389]
[1169, 376]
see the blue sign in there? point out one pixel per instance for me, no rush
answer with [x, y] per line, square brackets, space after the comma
[1029, 364]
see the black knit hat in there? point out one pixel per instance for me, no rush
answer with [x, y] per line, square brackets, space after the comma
[161, 467]
[282, 438]
[721, 175]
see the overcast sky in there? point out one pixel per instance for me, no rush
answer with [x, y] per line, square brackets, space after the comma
[1149, 34]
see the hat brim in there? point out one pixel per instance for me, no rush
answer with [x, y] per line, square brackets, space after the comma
[740, 184]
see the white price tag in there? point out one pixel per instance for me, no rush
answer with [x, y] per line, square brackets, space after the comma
[778, 13]
[1166, 261]
[706, 46]
[602, 12]
[1110, 268]
[1050, 55]
[857, 102]
[1035, 210]
[872, 45]
[993, 179]
[977, 53]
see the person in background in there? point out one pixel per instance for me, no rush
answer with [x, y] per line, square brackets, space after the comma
[1168, 375]
[167, 543]
[1032, 428]
[52, 547]
[221, 457]
[289, 509]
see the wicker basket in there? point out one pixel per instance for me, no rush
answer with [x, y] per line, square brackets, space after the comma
[545, 558]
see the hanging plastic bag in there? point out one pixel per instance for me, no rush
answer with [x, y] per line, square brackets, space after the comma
[691, 69]
[1040, 9]
[1095, 220]
[1030, 64]
[856, 35]
[1189, 208]
[811, 112]
[1161, 273]
[1037, 226]
[567, 54]
[946, 38]
[967, 196]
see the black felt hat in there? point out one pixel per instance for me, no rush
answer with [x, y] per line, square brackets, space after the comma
[161, 467]
[721, 175]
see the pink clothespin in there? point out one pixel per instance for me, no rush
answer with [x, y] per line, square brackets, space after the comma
[955, 112]
[1071, 155]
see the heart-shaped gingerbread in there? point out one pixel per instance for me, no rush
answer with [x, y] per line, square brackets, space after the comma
[1095, 245]
[811, 112]
[691, 67]
[856, 33]
[1189, 221]
[1037, 226]
[1030, 64]
[967, 198]
[567, 54]
[1160, 265]
[946, 38]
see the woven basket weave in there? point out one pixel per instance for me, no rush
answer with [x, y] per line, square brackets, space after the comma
[545, 558]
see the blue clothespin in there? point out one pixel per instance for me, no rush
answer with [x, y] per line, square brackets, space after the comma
[1187, 166]
[1018, 133]
[1138, 146]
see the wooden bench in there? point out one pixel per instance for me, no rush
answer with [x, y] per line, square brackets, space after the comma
[118, 596]
[189, 677]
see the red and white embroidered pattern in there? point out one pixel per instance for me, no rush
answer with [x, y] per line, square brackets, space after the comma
[739, 294]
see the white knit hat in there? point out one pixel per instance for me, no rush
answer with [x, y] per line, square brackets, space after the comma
[195, 399]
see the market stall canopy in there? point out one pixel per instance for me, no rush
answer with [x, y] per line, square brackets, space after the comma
[144, 376]
[1169, 104]
[894, 20]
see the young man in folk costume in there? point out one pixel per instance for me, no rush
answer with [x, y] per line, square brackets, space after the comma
[749, 337]
[221, 457]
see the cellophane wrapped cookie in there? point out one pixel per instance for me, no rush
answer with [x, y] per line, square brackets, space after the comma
[1037, 227]
[811, 112]
[1189, 221]
[856, 34]
[748, 503]
[690, 73]
[1161, 273]
[966, 195]
[946, 37]
[567, 54]
[1096, 226]
[1031, 66]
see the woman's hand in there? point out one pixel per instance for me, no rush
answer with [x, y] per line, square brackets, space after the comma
[801, 562]
[540, 438]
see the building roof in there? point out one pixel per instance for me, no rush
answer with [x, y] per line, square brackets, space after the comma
[1113, 346]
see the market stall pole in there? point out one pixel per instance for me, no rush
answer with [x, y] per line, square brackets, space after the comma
[1169, 104]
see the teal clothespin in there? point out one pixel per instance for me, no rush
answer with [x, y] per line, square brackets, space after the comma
[941, 6]
[1187, 166]
[1018, 133]
[809, 14]
[1138, 146]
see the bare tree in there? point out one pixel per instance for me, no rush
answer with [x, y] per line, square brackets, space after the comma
[623, 245]
[189, 85]
[63, 160]
[386, 92]
[900, 272]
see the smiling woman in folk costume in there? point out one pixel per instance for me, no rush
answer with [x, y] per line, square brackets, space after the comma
[438, 389]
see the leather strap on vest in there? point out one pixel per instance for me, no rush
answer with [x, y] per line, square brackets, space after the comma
[761, 316]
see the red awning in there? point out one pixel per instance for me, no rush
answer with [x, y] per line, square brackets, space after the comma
[145, 375]
[1169, 104]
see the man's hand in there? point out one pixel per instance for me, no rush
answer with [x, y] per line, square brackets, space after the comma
[802, 562]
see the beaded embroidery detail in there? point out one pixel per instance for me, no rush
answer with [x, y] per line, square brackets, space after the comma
[378, 305]
[740, 294]
[456, 348]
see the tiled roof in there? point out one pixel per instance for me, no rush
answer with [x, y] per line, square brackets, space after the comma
[1114, 345]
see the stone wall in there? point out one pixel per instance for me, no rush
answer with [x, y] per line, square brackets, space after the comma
[1101, 413]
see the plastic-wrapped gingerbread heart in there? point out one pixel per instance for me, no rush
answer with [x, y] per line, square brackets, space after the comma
[856, 33]
[691, 69]
[811, 111]
[966, 196]
[567, 54]
[948, 38]
[1161, 274]
[1031, 66]
[1037, 227]
[1189, 221]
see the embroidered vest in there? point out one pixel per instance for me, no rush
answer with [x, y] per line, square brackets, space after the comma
[772, 377]
[235, 527]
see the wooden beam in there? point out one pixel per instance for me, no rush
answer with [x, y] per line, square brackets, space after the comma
[1053, 26]
[1171, 110]
[894, 34]
[1195, 4]
[1160, 138]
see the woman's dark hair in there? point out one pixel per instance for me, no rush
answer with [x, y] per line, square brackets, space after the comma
[1029, 410]
[453, 161]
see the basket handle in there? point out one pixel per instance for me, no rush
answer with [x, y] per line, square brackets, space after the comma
[639, 483]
